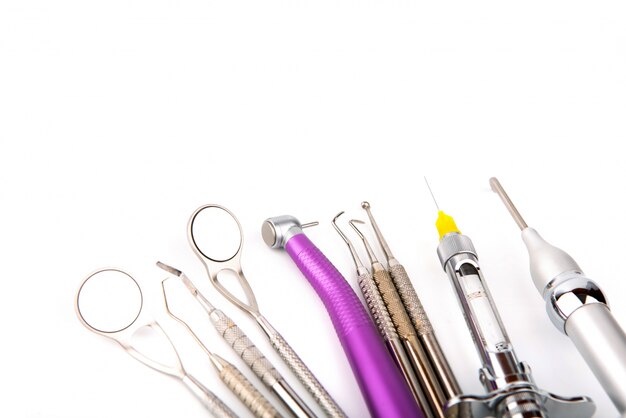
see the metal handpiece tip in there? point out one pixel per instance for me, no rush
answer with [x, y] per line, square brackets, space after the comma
[169, 269]
[365, 205]
[499, 190]
[494, 183]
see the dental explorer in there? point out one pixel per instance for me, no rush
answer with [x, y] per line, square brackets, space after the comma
[386, 329]
[576, 306]
[406, 332]
[216, 265]
[419, 318]
[379, 379]
[247, 351]
[230, 375]
[512, 392]
[125, 334]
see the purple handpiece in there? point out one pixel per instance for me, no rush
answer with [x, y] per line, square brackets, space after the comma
[379, 379]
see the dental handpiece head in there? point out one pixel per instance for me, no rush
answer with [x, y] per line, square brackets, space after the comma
[278, 230]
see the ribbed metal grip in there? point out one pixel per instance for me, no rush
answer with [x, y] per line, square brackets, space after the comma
[247, 393]
[248, 352]
[211, 402]
[410, 300]
[399, 316]
[305, 376]
[217, 408]
[377, 307]
[394, 304]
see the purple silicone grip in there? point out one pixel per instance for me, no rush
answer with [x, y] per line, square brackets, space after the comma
[380, 381]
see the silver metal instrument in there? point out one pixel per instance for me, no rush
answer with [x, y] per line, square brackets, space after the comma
[400, 318]
[248, 352]
[123, 335]
[229, 374]
[232, 263]
[386, 328]
[425, 332]
[576, 306]
[511, 390]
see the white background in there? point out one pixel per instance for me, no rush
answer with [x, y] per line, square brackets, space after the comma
[119, 118]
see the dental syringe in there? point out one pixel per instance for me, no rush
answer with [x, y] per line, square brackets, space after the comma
[511, 390]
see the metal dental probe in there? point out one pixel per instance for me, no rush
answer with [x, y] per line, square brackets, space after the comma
[576, 306]
[215, 265]
[124, 336]
[512, 392]
[406, 332]
[249, 353]
[381, 317]
[419, 318]
[380, 381]
[230, 375]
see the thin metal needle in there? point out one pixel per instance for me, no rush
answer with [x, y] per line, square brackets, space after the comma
[431, 193]
[497, 187]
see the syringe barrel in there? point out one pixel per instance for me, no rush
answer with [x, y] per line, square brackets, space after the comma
[500, 365]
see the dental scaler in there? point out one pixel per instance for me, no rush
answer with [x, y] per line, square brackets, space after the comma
[379, 379]
[511, 391]
[577, 307]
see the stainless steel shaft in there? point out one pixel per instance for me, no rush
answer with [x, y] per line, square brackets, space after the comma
[602, 343]
[419, 319]
[408, 336]
[387, 330]
[211, 402]
[245, 391]
[302, 372]
[577, 306]
[425, 331]
[247, 351]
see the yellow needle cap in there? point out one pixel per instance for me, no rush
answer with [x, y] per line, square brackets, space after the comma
[445, 224]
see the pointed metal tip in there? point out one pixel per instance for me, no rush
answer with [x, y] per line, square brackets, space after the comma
[356, 221]
[338, 215]
[431, 193]
[169, 269]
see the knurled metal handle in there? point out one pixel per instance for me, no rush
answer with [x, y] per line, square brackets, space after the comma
[216, 407]
[410, 300]
[302, 372]
[394, 304]
[377, 307]
[246, 349]
[247, 393]
[211, 402]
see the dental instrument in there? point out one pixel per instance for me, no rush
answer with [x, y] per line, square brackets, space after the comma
[379, 379]
[232, 263]
[123, 335]
[511, 390]
[387, 330]
[245, 348]
[576, 306]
